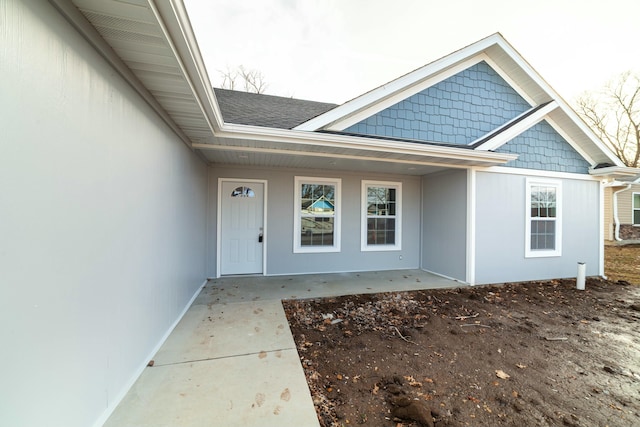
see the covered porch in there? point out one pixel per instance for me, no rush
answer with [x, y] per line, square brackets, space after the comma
[232, 359]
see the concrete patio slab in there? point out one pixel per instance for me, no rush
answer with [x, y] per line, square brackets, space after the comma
[213, 331]
[262, 390]
[232, 361]
[252, 288]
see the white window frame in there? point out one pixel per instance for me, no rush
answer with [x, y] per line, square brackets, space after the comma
[397, 246]
[538, 253]
[634, 209]
[297, 215]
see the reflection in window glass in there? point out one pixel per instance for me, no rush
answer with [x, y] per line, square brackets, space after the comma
[243, 192]
[317, 212]
[381, 212]
[381, 216]
[543, 217]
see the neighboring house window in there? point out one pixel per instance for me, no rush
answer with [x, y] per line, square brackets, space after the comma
[636, 208]
[544, 220]
[381, 215]
[317, 215]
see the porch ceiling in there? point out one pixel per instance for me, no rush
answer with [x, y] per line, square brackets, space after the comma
[227, 156]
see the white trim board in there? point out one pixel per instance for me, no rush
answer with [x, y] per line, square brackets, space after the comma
[538, 173]
[471, 227]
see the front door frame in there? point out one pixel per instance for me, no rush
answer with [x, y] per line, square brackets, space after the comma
[219, 222]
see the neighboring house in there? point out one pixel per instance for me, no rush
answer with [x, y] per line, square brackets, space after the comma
[126, 181]
[622, 211]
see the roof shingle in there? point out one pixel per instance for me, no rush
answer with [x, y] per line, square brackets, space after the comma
[245, 108]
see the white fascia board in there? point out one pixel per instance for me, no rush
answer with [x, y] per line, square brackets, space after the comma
[617, 172]
[537, 173]
[401, 84]
[174, 23]
[561, 102]
[360, 143]
[515, 130]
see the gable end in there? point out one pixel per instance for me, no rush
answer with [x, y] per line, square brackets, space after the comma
[542, 148]
[457, 110]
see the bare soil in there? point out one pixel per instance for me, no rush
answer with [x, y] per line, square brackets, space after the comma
[622, 262]
[524, 354]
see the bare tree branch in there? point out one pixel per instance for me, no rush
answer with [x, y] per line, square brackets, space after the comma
[251, 80]
[614, 115]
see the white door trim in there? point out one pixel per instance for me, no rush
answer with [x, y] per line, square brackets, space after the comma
[219, 222]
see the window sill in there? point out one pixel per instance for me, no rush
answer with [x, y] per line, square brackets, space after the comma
[380, 248]
[315, 250]
[542, 254]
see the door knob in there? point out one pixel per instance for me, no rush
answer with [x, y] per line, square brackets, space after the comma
[260, 238]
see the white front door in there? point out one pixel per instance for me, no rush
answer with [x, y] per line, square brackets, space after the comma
[241, 227]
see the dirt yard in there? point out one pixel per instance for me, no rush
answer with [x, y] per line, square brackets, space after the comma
[534, 354]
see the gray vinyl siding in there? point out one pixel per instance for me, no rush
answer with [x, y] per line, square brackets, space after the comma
[444, 232]
[457, 110]
[543, 148]
[500, 230]
[280, 222]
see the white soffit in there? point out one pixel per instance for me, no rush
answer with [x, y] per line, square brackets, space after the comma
[134, 30]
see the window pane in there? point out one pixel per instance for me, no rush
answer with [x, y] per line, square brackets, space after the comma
[636, 201]
[316, 231]
[381, 231]
[381, 201]
[243, 192]
[543, 235]
[317, 199]
[636, 217]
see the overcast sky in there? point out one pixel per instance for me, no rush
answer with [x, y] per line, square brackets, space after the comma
[335, 50]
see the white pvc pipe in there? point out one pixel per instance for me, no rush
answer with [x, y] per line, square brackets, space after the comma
[582, 268]
[616, 220]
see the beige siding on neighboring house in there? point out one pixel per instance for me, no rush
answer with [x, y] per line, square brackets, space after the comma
[608, 223]
[625, 204]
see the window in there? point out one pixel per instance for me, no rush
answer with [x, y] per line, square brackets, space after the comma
[317, 215]
[544, 226]
[636, 208]
[381, 216]
[243, 192]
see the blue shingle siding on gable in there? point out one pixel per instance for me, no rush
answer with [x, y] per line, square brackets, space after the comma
[542, 148]
[457, 110]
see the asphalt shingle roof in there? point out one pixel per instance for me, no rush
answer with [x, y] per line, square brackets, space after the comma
[254, 109]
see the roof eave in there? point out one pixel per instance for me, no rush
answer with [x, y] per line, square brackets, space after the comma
[324, 143]
[618, 173]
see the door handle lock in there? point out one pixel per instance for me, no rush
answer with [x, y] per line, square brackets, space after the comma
[260, 238]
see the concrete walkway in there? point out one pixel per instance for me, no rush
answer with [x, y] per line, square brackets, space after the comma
[232, 361]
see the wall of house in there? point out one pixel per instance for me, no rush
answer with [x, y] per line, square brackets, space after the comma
[444, 232]
[625, 203]
[542, 148]
[608, 224]
[628, 231]
[500, 230]
[280, 223]
[457, 110]
[102, 225]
